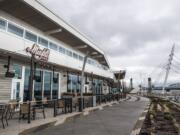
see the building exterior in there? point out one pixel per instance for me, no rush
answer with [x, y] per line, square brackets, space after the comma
[119, 84]
[24, 23]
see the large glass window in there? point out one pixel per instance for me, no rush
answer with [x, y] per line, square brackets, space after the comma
[53, 46]
[88, 61]
[81, 58]
[98, 86]
[18, 71]
[73, 83]
[30, 36]
[3, 24]
[62, 50]
[38, 85]
[26, 84]
[69, 53]
[43, 42]
[55, 86]
[47, 84]
[75, 56]
[15, 30]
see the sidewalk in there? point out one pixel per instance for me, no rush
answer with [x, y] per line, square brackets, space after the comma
[15, 127]
[118, 119]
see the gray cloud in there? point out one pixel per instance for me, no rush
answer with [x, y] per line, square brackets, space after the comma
[137, 34]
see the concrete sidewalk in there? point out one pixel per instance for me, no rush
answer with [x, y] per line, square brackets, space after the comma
[119, 119]
[15, 126]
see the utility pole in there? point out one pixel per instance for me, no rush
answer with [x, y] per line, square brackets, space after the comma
[168, 68]
[83, 81]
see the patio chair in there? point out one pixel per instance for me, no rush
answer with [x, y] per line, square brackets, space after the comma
[87, 102]
[24, 111]
[12, 108]
[75, 103]
[4, 109]
[60, 105]
[38, 108]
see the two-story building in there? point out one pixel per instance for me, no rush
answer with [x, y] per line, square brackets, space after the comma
[24, 23]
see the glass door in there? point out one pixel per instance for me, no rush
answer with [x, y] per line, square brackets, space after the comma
[16, 88]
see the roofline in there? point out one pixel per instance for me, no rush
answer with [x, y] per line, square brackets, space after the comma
[54, 17]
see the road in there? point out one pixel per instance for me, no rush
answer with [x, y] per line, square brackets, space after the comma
[115, 120]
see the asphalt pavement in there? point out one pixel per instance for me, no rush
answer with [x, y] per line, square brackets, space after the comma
[115, 120]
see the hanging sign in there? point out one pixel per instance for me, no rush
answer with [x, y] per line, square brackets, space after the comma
[39, 54]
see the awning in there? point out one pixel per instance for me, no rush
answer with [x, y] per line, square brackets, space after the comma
[37, 15]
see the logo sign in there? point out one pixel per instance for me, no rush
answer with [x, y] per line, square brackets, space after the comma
[38, 53]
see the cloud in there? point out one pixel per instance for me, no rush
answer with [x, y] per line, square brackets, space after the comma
[135, 35]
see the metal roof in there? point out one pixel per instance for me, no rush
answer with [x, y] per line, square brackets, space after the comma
[36, 14]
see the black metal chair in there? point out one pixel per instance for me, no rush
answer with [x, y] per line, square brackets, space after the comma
[13, 105]
[4, 109]
[60, 105]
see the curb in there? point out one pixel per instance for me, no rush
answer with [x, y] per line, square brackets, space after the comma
[137, 128]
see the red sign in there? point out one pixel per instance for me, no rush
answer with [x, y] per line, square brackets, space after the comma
[38, 53]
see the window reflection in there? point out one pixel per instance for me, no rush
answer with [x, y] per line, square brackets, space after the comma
[38, 85]
[55, 86]
[18, 71]
[47, 84]
[73, 83]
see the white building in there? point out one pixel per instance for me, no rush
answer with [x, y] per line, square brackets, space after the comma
[24, 23]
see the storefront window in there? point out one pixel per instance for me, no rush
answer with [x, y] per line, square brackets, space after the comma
[55, 86]
[73, 83]
[98, 85]
[18, 71]
[38, 85]
[47, 84]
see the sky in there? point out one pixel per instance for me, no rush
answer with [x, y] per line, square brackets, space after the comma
[136, 35]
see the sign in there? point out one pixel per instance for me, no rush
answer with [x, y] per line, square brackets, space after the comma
[39, 54]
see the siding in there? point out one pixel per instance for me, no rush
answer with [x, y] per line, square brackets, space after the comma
[5, 83]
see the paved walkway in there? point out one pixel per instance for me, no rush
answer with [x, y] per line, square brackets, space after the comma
[115, 120]
[15, 127]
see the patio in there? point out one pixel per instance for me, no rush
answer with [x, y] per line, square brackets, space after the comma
[17, 126]
[56, 111]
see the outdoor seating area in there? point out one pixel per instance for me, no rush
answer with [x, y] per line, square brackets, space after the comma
[41, 109]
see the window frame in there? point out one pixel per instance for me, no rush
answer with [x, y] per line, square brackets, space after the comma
[17, 27]
[6, 23]
[31, 33]
[42, 44]
[54, 46]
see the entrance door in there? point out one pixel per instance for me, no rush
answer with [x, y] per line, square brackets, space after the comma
[16, 89]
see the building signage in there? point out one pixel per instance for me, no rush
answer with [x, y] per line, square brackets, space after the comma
[39, 54]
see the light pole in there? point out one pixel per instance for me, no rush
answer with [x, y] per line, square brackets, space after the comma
[82, 81]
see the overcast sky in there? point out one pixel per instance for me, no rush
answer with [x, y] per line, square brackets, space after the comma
[136, 35]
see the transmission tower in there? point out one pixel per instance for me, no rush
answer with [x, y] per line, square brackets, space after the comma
[168, 68]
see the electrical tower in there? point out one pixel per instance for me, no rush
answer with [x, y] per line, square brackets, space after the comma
[168, 68]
